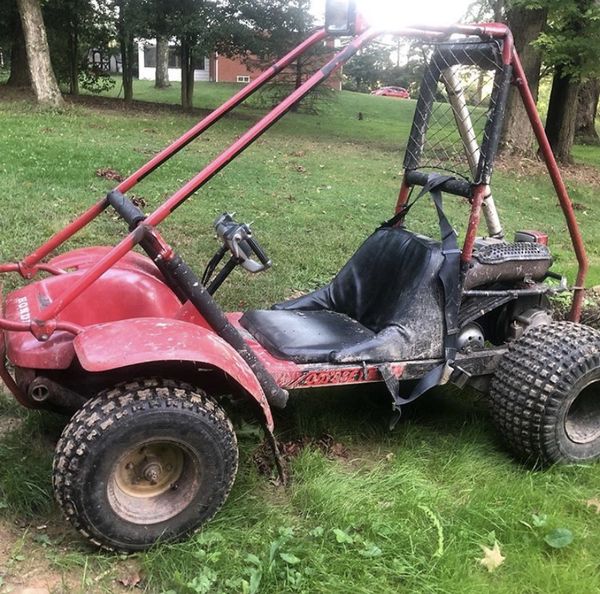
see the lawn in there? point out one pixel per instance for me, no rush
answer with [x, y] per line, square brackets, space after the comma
[407, 511]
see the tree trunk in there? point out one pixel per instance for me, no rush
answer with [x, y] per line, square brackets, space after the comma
[19, 70]
[73, 47]
[587, 109]
[498, 9]
[162, 63]
[187, 75]
[42, 76]
[517, 135]
[298, 71]
[127, 48]
[562, 111]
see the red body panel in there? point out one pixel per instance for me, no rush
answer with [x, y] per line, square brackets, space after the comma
[144, 340]
[85, 257]
[132, 289]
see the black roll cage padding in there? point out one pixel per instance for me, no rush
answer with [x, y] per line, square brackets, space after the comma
[484, 54]
[126, 209]
[457, 187]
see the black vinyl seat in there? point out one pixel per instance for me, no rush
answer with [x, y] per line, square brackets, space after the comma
[386, 304]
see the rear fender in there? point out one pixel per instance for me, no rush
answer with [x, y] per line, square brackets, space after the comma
[113, 345]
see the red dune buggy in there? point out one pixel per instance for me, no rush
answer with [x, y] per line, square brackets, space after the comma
[138, 349]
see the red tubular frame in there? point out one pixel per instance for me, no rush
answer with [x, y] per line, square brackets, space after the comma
[559, 186]
[44, 326]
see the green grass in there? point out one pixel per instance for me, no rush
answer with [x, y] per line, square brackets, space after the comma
[411, 508]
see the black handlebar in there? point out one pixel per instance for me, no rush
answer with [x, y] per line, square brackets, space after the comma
[126, 209]
[237, 237]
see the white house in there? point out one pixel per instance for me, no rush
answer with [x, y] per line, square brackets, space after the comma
[147, 63]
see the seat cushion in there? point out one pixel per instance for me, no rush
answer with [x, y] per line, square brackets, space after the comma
[384, 305]
[305, 336]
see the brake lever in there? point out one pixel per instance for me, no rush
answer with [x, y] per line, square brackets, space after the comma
[238, 238]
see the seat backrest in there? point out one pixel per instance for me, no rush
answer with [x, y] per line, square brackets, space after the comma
[392, 279]
[392, 274]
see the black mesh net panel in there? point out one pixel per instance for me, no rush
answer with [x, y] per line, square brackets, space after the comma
[461, 85]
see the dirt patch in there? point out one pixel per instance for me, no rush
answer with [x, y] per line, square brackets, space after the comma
[591, 308]
[523, 167]
[8, 425]
[264, 461]
[43, 560]
[23, 570]
[590, 314]
[15, 94]
[115, 104]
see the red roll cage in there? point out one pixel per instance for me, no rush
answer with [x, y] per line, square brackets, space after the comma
[46, 324]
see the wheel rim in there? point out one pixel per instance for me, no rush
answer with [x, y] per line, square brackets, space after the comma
[582, 423]
[153, 481]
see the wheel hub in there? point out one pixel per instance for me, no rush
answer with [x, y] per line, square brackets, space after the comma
[153, 482]
[582, 423]
[149, 470]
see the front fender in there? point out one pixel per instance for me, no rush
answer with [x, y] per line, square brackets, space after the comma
[112, 345]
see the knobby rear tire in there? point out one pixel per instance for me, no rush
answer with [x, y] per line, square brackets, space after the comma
[545, 394]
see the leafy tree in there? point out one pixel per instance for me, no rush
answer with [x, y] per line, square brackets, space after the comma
[370, 67]
[155, 23]
[74, 28]
[273, 29]
[526, 23]
[12, 42]
[129, 23]
[571, 44]
[193, 23]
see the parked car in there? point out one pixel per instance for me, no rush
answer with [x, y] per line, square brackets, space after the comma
[399, 92]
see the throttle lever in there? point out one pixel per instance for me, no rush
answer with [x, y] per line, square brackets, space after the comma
[238, 239]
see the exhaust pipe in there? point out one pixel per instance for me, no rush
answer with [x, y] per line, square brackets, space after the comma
[45, 391]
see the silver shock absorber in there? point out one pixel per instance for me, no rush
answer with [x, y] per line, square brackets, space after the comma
[456, 97]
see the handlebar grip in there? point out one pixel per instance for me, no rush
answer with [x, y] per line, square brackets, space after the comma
[264, 259]
[125, 208]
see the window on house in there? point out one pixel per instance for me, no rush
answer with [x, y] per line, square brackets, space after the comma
[150, 56]
[175, 60]
[242, 78]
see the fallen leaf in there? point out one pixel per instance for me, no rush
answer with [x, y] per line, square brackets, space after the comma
[110, 174]
[594, 503]
[492, 558]
[130, 580]
[370, 550]
[289, 558]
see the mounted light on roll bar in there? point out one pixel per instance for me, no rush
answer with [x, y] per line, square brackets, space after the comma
[340, 17]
